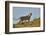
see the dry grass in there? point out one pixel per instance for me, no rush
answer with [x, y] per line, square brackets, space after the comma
[34, 23]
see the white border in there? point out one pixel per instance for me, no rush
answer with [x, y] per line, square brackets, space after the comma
[11, 29]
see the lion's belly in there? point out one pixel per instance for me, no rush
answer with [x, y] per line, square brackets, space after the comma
[25, 18]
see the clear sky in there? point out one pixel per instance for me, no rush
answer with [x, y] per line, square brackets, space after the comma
[21, 11]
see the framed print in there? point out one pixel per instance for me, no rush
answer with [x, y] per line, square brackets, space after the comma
[24, 17]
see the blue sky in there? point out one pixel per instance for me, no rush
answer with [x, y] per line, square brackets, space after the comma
[21, 11]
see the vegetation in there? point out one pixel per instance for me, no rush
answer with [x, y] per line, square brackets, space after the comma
[34, 23]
